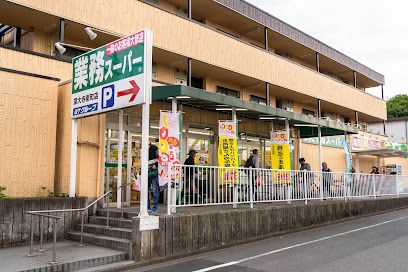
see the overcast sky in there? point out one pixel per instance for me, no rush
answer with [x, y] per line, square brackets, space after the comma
[374, 32]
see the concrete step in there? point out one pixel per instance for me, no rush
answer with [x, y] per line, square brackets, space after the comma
[113, 222]
[112, 267]
[111, 231]
[92, 264]
[116, 213]
[102, 240]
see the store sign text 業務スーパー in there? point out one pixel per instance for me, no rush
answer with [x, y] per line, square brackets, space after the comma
[330, 141]
[110, 77]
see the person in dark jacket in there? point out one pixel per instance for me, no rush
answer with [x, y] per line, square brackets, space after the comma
[153, 177]
[327, 178]
[189, 175]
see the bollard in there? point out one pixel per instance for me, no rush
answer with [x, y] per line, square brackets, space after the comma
[305, 191]
[54, 253]
[41, 223]
[251, 189]
[82, 229]
[107, 212]
[30, 253]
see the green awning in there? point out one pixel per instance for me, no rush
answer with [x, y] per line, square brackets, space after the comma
[199, 98]
[309, 132]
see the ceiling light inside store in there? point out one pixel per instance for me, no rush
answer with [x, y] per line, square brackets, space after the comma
[199, 131]
[155, 127]
[229, 109]
[179, 97]
[140, 136]
[251, 139]
[304, 125]
[266, 117]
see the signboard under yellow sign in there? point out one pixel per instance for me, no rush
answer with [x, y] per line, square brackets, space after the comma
[227, 152]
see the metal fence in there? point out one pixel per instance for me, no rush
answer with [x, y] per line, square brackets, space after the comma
[212, 185]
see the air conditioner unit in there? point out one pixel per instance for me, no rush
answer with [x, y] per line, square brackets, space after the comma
[287, 105]
[180, 77]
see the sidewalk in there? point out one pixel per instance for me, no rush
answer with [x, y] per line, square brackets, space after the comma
[69, 256]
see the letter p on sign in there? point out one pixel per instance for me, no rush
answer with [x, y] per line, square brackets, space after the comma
[108, 96]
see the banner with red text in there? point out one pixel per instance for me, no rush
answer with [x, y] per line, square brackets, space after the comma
[169, 146]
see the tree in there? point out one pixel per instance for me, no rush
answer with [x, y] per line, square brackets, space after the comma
[397, 106]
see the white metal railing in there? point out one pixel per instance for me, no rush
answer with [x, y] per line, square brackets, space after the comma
[213, 185]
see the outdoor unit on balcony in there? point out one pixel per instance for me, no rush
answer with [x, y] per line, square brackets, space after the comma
[180, 77]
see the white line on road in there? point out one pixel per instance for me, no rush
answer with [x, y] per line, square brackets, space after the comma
[297, 245]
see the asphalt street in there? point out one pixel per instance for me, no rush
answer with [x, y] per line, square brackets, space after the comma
[376, 243]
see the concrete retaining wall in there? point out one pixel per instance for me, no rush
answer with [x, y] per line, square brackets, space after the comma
[187, 233]
[15, 223]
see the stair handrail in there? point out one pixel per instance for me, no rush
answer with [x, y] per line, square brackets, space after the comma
[30, 253]
[121, 203]
[44, 213]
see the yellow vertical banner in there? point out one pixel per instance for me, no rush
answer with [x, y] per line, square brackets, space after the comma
[280, 156]
[227, 152]
[169, 146]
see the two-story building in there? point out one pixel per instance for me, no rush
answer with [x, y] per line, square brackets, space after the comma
[214, 56]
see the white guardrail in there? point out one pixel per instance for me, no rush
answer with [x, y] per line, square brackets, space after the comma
[212, 185]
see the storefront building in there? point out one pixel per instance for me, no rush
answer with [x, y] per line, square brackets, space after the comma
[251, 66]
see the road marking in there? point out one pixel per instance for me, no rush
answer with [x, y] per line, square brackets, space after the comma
[297, 245]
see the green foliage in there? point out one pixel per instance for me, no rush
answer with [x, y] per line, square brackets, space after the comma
[2, 193]
[397, 106]
[44, 192]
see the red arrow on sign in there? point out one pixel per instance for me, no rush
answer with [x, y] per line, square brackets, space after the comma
[133, 91]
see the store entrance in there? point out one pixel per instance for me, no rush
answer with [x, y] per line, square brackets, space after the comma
[247, 144]
[132, 140]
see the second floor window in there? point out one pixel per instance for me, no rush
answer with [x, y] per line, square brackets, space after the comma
[227, 91]
[258, 99]
[308, 112]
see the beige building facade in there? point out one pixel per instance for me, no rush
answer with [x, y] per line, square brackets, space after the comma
[224, 48]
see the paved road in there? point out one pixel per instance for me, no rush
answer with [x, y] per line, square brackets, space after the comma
[377, 243]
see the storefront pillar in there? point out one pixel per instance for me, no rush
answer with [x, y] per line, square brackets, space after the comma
[128, 166]
[107, 160]
[357, 163]
[299, 149]
[72, 174]
[263, 148]
[235, 194]
[120, 162]
[319, 138]
[172, 192]
[287, 130]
